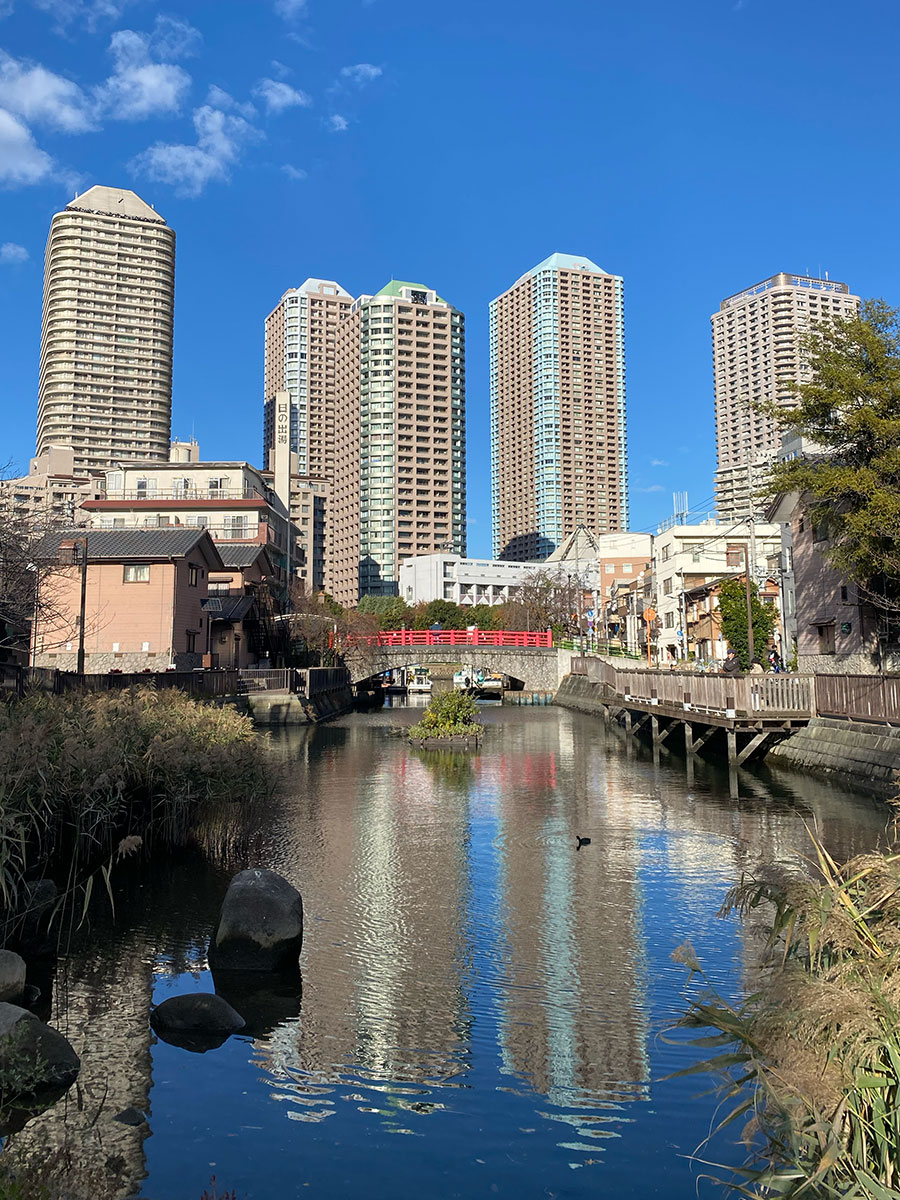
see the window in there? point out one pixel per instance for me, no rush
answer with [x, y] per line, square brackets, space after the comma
[136, 573]
[191, 639]
[193, 575]
[734, 556]
[826, 638]
[609, 568]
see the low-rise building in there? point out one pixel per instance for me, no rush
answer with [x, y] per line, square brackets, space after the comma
[687, 556]
[143, 599]
[52, 490]
[233, 501]
[240, 609]
[598, 560]
[704, 618]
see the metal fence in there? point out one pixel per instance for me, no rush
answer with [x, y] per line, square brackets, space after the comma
[195, 683]
[277, 680]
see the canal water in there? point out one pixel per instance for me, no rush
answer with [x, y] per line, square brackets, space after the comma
[482, 1003]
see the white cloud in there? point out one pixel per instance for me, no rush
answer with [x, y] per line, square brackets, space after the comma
[279, 69]
[189, 169]
[293, 172]
[89, 13]
[173, 38]
[654, 487]
[10, 252]
[336, 123]
[139, 87]
[278, 96]
[217, 97]
[30, 91]
[21, 161]
[360, 74]
[658, 462]
[290, 9]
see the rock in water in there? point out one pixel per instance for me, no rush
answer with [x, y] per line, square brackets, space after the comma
[260, 926]
[12, 976]
[199, 1021]
[33, 1056]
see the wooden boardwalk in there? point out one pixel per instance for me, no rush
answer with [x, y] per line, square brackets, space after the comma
[753, 710]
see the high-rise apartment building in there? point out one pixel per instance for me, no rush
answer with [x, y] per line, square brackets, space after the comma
[756, 337]
[105, 385]
[301, 333]
[558, 445]
[400, 460]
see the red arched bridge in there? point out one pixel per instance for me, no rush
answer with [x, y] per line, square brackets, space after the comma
[527, 658]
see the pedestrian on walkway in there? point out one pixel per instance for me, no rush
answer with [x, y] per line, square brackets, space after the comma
[731, 665]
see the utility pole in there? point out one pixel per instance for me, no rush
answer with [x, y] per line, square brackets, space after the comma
[748, 594]
[81, 609]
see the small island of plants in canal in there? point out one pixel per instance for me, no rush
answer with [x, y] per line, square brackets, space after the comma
[452, 716]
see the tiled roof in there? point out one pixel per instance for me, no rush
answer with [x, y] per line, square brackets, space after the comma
[236, 555]
[118, 544]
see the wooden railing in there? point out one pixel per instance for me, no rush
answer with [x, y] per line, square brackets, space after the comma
[859, 697]
[454, 637]
[723, 695]
[195, 683]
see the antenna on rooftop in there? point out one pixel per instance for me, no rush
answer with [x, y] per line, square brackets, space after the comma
[680, 507]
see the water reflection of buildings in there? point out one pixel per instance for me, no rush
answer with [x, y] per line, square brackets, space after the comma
[101, 1004]
[574, 1022]
[377, 842]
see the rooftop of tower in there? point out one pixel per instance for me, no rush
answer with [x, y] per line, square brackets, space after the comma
[394, 288]
[117, 202]
[566, 262]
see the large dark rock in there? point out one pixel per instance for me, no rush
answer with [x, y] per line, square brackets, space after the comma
[33, 1057]
[199, 1021]
[12, 976]
[260, 926]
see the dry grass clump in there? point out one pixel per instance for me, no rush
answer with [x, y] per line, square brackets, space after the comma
[78, 772]
[813, 1058]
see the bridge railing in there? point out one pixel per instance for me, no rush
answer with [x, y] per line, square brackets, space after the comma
[723, 695]
[453, 637]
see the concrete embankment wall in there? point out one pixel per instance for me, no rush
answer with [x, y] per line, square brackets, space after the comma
[864, 754]
[324, 692]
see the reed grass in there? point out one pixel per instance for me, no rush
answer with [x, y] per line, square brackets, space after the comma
[811, 1061]
[79, 773]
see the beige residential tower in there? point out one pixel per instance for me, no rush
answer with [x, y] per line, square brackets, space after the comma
[105, 386]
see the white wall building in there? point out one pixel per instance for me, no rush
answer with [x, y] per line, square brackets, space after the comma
[685, 556]
[599, 561]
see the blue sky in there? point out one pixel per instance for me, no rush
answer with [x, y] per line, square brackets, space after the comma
[693, 148]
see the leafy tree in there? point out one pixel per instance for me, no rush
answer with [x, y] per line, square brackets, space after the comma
[482, 615]
[391, 612]
[733, 607]
[441, 612]
[849, 483]
[546, 599]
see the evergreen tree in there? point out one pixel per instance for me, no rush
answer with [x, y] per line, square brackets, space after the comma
[849, 481]
[733, 607]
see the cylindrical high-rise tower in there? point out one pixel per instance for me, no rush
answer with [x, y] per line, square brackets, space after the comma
[106, 339]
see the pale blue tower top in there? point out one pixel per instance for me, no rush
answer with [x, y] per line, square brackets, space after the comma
[566, 262]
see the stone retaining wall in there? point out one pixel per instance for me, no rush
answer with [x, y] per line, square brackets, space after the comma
[865, 754]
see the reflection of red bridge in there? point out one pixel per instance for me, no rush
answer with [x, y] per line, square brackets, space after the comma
[454, 637]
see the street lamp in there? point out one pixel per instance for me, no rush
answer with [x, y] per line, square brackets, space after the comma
[83, 542]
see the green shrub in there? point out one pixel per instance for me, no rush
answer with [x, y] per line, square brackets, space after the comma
[452, 714]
